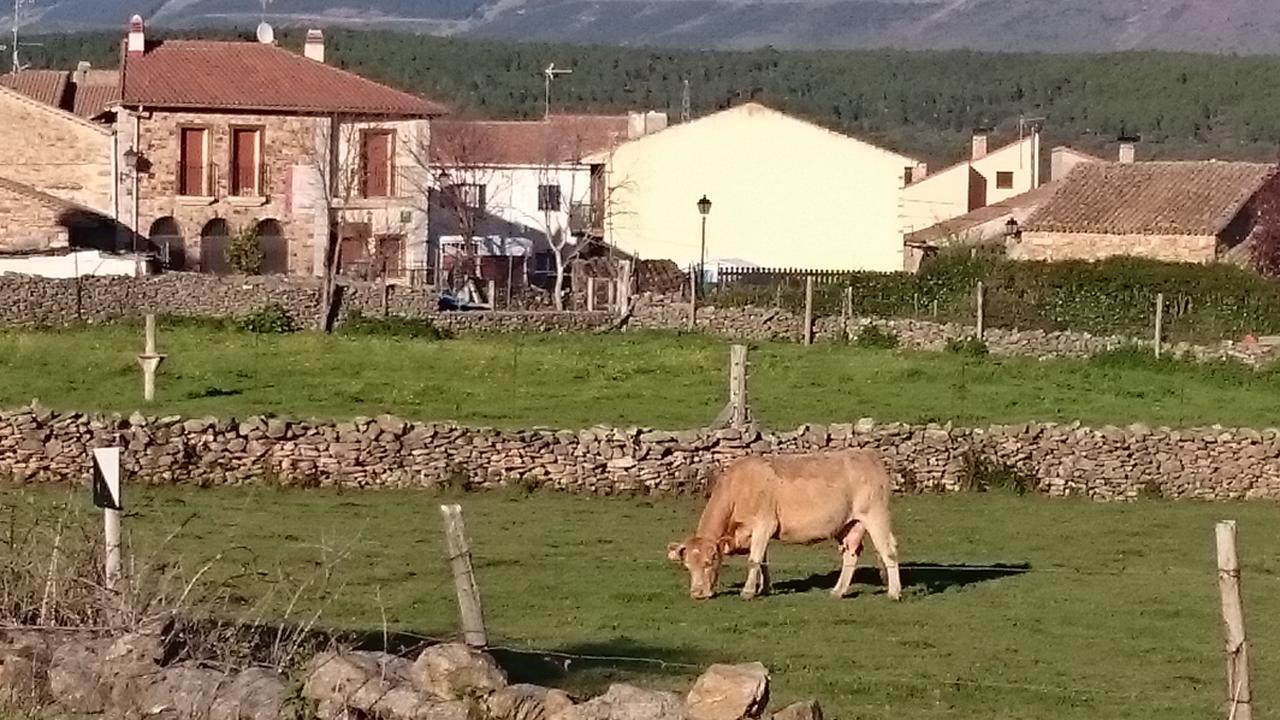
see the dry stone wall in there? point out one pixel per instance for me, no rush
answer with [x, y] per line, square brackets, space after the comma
[1110, 463]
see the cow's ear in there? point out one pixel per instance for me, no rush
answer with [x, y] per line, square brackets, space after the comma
[675, 552]
[725, 545]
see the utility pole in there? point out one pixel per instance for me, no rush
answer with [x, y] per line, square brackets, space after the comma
[15, 60]
[684, 103]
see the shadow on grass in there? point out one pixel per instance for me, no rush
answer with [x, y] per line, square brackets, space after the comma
[925, 578]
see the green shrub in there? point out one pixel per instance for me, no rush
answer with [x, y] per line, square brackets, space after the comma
[244, 252]
[968, 346]
[271, 319]
[392, 326]
[875, 338]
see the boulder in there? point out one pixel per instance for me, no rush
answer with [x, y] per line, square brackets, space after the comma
[74, 679]
[453, 671]
[356, 680]
[180, 692]
[804, 710]
[255, 694]
[527, 702]
[729, 692]
[627, 702]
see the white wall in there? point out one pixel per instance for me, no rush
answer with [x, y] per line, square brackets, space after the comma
[73, 264]
[946, 194]
[513, 195]
[784, 193]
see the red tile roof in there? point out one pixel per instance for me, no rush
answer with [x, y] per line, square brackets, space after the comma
[214, 75]
[90, 101]
[558, 139]
[1150, 198]
[46, 86]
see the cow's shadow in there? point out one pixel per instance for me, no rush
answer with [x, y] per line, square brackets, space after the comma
[919, 578]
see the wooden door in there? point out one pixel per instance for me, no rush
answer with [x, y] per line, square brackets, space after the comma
[376, 163]
[191, 172]
[353, 248]
[244, 150]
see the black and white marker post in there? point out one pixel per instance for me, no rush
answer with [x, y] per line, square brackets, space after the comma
[107, 495]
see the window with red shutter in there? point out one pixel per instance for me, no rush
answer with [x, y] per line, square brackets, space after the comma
[375, 164]
[192, 172]
[245, 162]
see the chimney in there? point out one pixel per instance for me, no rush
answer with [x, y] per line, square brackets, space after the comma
[1128, 151]
[314, 47]
[82, 72]
[980, 143]
[654, 121]
[137, 38]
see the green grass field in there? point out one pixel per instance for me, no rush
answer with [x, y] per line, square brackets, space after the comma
[666, 381]
[1109, 611]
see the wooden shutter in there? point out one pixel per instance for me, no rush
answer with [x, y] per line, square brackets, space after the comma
[375, 161]
[244, 160]
[191, 171]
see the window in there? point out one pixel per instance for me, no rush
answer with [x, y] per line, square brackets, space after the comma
[246, 162]
[1004, 181]
[377, 153]
[469, 195]
[193, 165]
[549, 197]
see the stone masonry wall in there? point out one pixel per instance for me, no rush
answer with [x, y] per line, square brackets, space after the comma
[1110, 463]
[27, 301]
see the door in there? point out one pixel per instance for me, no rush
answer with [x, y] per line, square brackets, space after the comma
[353, 248]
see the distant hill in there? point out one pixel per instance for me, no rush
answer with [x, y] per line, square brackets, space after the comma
[1233, 26]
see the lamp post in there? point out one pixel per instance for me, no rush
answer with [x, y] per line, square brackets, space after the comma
[704, 209]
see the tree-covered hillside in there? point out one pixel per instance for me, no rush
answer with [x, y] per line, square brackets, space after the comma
[1184, 105]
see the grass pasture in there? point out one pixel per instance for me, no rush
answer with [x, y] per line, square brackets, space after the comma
[660, 380]
[1014, 607]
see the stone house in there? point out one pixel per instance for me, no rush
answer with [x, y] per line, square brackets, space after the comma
[1196, 212]
[221, 138]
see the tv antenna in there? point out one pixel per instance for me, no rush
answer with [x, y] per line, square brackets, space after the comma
[17, 66]
[548, 75]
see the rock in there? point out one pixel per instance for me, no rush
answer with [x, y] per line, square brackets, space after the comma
[527, 702]
[255, 694]
[74, 680]
[804, 710]
[21, 680]
[180, 692]
[277, 428]
[729, 692]
[392, 424]
[355, 680]
[453, 671]
[627, 702]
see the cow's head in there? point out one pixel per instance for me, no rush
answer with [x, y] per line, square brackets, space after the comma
[702, 557]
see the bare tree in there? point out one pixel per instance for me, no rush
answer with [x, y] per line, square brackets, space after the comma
[333, 155]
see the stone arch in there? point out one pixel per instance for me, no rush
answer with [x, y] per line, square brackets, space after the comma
[215, 237]
[275, 248]
[168, 243]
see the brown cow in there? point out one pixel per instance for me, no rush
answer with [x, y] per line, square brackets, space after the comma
[802, 499]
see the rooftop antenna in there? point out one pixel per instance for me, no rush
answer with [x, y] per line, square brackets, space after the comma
[17, 65]
[548, 75]
[684, 103]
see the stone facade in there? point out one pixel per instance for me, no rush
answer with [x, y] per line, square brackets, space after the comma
[55, 152]
[29, 223]
[1057, 246]
[292, 190]
[1110, 463]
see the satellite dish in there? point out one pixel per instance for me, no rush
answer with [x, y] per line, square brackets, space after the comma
[266, 35]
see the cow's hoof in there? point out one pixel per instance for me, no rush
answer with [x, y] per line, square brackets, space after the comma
[748, 595]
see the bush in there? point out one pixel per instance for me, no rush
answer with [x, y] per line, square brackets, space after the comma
[392, 326]
[244, 253]
[873, 337]
[271, 319]
[968, 347]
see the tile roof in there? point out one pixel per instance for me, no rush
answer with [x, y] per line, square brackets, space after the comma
[1026, 202]
[217, 75]
[1150, 198]
[46, 86]
[560, 138]
[89, 101]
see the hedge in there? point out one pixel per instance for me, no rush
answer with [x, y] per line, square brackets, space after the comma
[1202, 302]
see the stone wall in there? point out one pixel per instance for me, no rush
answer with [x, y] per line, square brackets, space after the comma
[39, 445]
[55, 152]
[1058, 246]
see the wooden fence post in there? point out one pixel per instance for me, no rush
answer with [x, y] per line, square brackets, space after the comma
[693, 300]
[464, 577]
[591, 294]
[149, 360]
[493, 295]
[808, 310]
[739, 414]
[1159, 336]
[848, 311]
[982, 301]
[1239, 700]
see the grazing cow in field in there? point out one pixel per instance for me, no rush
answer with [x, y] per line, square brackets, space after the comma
[803, 499]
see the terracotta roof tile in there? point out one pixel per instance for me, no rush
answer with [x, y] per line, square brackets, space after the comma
[206, 74]
[1150, 198]
[46, 86]
[90, 99]
[560, 138]
[957, 227]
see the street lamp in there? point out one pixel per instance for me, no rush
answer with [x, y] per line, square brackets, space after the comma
[704, 209]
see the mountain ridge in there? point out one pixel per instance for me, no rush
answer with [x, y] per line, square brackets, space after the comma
[1218, 26]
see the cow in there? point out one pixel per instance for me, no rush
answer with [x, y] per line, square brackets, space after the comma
[802, 499]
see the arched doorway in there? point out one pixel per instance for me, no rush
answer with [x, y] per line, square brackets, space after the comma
[215, 236]
[275, 249]
[168, 244]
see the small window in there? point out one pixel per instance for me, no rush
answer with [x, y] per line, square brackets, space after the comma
[1004, 180]
[377, 153]
[549, 197]
[469, 195]
[193, 163]
[246, 162]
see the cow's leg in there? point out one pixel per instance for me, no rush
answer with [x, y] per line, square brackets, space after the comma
[881, 531]
[850, 547]
[756, 571]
